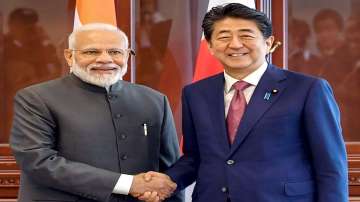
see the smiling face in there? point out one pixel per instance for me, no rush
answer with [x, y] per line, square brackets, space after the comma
[239, 45]
[95, 59]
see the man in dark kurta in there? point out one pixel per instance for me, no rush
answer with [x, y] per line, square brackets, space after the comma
[90, 135]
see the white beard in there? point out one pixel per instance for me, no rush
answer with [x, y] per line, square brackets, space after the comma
[102, 80]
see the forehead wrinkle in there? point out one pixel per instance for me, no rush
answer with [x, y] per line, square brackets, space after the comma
[99, 39]
[100, 46]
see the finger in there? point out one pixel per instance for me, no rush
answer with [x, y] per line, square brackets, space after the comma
[163, 194]
[172, 185]
[154, 197]
[169, 186]
[150, 197]
[147, 177]
[164, 187]
[162, 197]
[145, 196]
[157, 174]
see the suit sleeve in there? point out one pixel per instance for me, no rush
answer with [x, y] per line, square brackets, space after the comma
[185, 170]
[169, 149]
[33, 142]
[323, 130]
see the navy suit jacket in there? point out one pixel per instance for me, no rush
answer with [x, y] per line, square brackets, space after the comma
[288, 147]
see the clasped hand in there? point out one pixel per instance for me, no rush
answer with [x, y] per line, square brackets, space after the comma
[152, 186]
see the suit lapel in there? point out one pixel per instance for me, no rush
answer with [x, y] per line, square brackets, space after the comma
[216, 106]
[272, 79]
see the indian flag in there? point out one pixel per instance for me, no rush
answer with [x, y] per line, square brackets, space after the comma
[91, 11]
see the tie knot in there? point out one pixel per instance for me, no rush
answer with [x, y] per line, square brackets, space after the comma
[240, 85]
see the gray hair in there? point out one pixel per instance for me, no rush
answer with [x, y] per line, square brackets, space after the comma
[96, 27]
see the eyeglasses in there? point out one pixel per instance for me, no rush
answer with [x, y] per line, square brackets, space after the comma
[114, 53]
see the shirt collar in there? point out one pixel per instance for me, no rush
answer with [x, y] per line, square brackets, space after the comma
[253, 78]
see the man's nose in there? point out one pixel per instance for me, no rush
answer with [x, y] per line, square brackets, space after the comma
[104, 57]
[236, 43]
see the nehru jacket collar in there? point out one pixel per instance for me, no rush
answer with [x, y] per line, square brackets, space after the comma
[115, 87]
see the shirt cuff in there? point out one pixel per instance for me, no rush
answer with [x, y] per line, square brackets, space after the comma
[123, 185]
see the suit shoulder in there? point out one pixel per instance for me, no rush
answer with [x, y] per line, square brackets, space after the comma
[43, 86]
[300, 76]
[305, 80]
[203, 83]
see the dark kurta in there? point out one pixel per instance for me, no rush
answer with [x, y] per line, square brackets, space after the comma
[72, 139]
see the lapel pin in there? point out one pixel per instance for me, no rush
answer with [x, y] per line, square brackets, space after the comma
[267, 96]
[145, 129]
[274, 91]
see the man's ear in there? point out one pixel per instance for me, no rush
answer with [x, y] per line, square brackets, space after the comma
[68, 54]
[269, 43]
[210, 47]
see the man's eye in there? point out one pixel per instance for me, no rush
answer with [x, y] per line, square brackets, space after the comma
[91, 52]
[246, 37]
[224, 38]
[115, 52]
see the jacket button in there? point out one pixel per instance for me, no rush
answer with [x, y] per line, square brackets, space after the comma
[124, 157]
[224, 189]
[118, 116]
[123, 136]
[230, 162]
[111, 97]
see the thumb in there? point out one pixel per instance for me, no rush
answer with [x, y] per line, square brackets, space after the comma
[147, 177]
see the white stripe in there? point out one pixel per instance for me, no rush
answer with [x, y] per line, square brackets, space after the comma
[77, 22]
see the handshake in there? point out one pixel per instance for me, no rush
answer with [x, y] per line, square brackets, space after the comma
[152, 186]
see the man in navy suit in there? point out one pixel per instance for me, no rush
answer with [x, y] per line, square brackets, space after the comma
[288, 144]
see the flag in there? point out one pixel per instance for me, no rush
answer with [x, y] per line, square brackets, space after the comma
[206, 64]
[91, 11]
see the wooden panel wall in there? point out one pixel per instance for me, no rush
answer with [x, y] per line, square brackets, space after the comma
[9, 175]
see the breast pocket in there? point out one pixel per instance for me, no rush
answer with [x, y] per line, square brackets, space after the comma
[144, 129]
[143, 140]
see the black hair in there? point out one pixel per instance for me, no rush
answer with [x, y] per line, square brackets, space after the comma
[235, 10]
[24, 16]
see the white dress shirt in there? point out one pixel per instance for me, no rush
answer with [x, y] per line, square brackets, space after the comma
[253, 79]
[123, 185]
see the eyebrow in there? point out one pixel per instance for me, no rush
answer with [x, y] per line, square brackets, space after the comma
[247, 30]
[239, 30]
